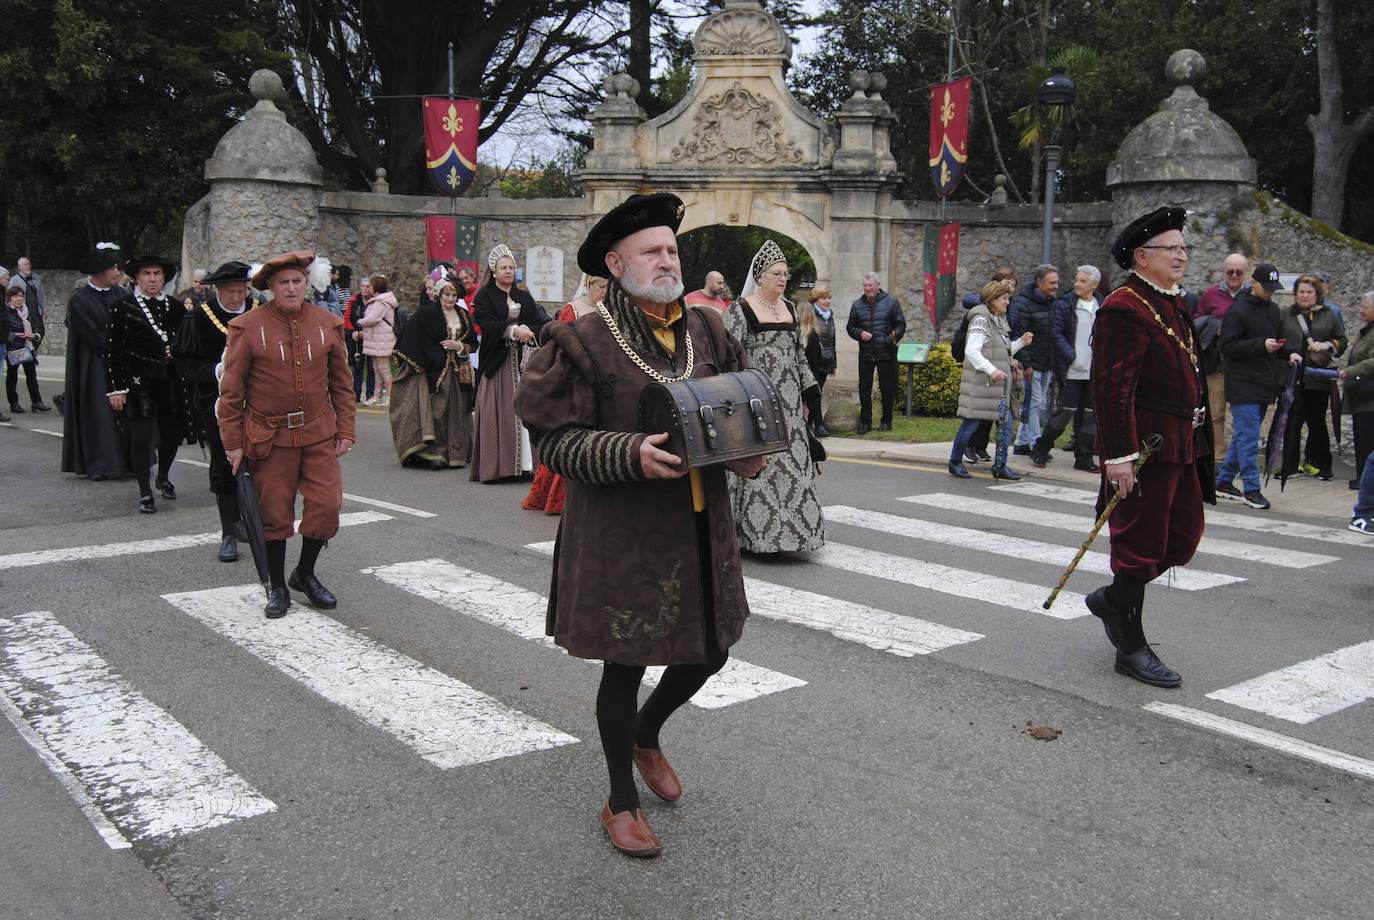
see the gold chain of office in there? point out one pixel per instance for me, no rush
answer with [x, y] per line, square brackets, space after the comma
[640, 362]
[1186, 349]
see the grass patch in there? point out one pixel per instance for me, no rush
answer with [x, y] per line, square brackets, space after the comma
[919, 429]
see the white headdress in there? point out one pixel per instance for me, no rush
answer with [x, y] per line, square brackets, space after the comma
[502, 251]
[770, 253]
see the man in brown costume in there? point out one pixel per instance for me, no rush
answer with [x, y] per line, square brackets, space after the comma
[286, 403]
[646, 567]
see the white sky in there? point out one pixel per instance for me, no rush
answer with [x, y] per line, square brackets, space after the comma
[526, 141]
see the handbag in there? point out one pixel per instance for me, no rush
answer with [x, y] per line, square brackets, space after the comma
[20, 355]
[1361, 387]
[712, 420]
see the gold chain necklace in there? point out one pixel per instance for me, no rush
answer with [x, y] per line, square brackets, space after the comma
[1186, 349]
[640, 362]
[205, 308]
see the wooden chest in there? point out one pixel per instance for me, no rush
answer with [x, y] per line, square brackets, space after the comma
[712, 420]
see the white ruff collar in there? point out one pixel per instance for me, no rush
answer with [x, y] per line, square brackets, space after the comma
[1171, 292]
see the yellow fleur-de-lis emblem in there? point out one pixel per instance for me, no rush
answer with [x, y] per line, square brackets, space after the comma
[944, 174]
[452, 177]
[453, 124]
[947, 110]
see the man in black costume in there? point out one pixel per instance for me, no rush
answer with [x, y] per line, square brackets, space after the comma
[199, 350]
[143, 383]
[92, 444]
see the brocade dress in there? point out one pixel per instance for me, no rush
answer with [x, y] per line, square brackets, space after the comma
[779, 511]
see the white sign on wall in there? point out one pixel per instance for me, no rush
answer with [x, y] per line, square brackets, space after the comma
[544, 273]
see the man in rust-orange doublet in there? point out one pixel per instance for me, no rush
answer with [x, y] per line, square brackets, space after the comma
[286, 405]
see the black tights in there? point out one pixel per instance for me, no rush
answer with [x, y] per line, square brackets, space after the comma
[622, 729]
[143, 434]
[1128, 593]
[276, 560]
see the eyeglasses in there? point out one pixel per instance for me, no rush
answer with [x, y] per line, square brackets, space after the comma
[1233, 271]
[783, 275]
[1172, 250]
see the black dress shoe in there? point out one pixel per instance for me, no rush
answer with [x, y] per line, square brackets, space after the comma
[310, 586]
[885, 426]
[1021, 450]
[822, 431]
[146, 505]
[98, 477]
[168, 490]
[1087, 467]
[40, 406]
[957, 469]
[863, 429]
[228, 549]
[1113, 620]
[1144, 665]
[16, 408]
[1001, 472]
[278, 600]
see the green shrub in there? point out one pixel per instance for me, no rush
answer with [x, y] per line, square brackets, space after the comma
[934, 386]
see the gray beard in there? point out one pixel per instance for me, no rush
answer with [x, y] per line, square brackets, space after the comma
[649, 291]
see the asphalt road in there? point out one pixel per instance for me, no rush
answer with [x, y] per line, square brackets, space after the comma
[851, 775]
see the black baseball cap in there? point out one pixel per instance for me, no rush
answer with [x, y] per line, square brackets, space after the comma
[1267, 277]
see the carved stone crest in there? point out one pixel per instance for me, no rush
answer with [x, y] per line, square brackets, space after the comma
[747, 30]
[736, 127]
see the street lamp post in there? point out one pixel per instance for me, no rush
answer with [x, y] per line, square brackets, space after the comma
[1058, 90]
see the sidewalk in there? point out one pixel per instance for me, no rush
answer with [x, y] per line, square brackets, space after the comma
[1304, 496]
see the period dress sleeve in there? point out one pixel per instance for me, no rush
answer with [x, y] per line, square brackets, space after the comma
[557, 402]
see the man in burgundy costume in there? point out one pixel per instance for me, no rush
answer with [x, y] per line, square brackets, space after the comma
[1146, 380]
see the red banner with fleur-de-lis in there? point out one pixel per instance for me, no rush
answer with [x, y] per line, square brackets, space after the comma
[949, 134]
[451, 142]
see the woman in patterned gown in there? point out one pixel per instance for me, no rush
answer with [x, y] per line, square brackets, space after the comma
[778, 511]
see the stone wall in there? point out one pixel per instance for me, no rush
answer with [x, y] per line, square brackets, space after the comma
[991, 237]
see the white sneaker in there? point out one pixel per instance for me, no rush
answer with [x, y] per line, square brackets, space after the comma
[1363, 525]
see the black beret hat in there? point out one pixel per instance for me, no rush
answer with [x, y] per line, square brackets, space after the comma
[169, 268]
[638, 212]
[101, 257]
[1145, 228]
[228, 273]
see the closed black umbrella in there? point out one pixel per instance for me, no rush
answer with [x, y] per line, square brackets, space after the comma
[250, 516]
[1283, 447]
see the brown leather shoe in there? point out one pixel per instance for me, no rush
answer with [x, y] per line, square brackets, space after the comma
[630, 832]
[658, 773]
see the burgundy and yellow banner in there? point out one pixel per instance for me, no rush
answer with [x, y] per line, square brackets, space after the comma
[949, 134]
[451, 142]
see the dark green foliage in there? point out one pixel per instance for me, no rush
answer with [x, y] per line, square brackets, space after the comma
[108, 112]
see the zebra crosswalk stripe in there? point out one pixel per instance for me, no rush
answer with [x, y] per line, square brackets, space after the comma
[1231, 549]
[1255, 523]
[444, 720]
[1186, 579]
[520, 611]
[878, 629]
[944, 579]
[144, 772]
[156, 545]
[1308, 690]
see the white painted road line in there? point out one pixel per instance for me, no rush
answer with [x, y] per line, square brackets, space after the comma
[522, 612]
[996, 544]
[157, 545]
[444, 720]
[378, 503]
[1308, 690]
[1257, 522]
[145, 772]
[979, 586]
[877, 629]
[1295, 747]
[1082, 523]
